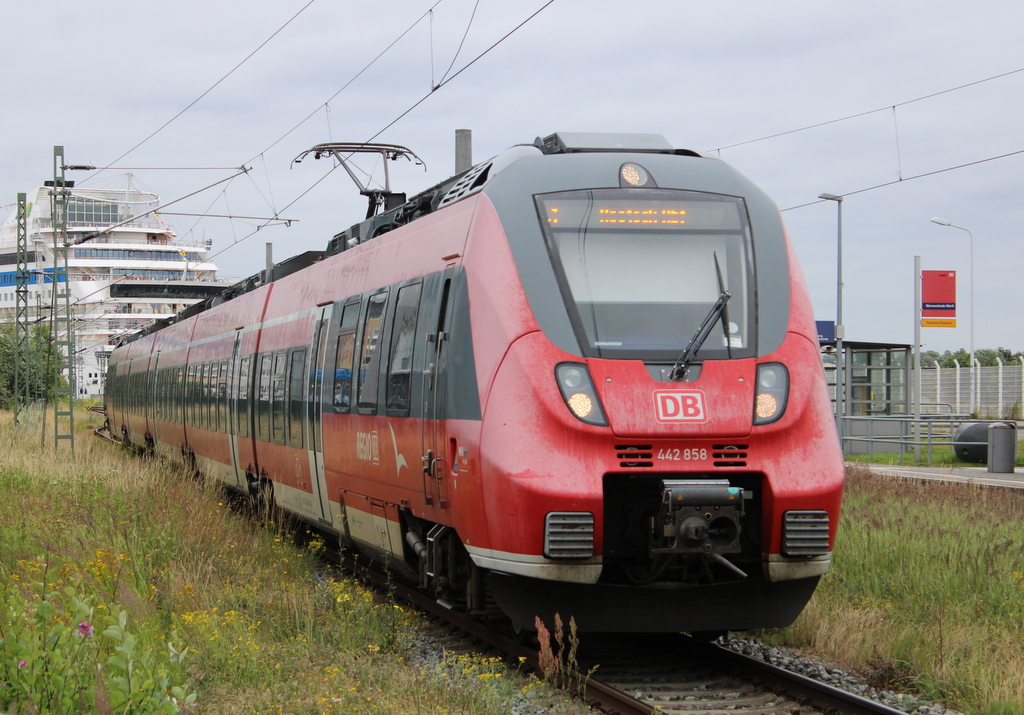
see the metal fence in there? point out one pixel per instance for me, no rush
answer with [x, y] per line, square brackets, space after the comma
[904, 436]
[999, 391]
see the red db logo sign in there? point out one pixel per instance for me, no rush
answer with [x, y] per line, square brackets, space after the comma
[679, 406]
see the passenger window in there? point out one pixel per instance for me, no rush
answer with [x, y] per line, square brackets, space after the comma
[190, 404]
[208, 391]
[344, 356]
[243, 397]
[296, 372]
[369, 360]
[277, 397]
[222, 397]
[202, 373]
[179, 408]
[266, 365]
[403, 340]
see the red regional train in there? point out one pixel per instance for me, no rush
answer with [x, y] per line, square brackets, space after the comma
[581, 377]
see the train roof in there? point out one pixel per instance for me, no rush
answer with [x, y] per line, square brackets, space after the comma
[436, 197]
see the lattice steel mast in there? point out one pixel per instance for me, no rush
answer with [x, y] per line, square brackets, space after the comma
[61, 321]
[22, 383]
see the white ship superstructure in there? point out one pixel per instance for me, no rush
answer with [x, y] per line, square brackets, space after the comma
[121, 280]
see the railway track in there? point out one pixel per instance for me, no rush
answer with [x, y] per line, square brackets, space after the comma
[657, 673]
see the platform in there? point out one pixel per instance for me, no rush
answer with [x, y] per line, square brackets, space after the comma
[964, 475]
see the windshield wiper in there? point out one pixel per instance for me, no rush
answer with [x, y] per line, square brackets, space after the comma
[725, 309]
[683, 364]
[718, 310]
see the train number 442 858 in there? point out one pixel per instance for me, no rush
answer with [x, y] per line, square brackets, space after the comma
[677, 455]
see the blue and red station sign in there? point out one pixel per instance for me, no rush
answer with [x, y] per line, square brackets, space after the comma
[938, 299]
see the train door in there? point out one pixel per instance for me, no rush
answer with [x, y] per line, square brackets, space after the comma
[435, 457]
[314, 409]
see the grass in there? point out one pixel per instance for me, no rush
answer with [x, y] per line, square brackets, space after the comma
[126, 586]
[926, 592]
[942, 456]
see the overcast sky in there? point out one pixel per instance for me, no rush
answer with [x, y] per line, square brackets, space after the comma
[920, 79]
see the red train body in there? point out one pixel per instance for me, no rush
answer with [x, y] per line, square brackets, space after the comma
[484, 387]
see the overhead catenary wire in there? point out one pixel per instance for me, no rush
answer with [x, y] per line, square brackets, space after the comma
[345, 86]
[396, 119]
[459, 50]
[433, 89]
[215, 84]
[446, 79]
[886, 108]
[903, 180]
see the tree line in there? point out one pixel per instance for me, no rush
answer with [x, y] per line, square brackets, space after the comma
[986, 357]
[39, 370]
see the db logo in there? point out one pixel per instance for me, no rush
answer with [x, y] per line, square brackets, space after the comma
[678, 406]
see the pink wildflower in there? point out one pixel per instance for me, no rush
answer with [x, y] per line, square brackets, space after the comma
[84, 630]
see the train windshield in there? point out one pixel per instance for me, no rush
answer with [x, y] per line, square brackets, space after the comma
[640, 269]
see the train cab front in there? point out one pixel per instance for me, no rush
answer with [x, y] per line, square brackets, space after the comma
[660, 452]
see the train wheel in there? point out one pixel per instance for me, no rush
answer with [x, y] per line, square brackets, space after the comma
[523, 636]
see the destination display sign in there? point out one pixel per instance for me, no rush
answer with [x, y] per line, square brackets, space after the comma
[657, 213]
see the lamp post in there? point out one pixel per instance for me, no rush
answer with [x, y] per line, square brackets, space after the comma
[944, 222]
[840, 330]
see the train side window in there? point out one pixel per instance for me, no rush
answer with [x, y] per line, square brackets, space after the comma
[369, 360]
[211, 396]
[344, 356]
[156, 395]
[243, 397]
[163, 384]
[158, 392]
[165, 393]
[403, 340]
[277, 397]
[190, 396]
[263, 421]
[179, 407]
[207, 395]
[222, 397]
[197, 396]
[212, 382]
[296, 373]
[208, 390]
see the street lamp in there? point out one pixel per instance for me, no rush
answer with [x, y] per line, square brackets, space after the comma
[944, 222]
[840, 411]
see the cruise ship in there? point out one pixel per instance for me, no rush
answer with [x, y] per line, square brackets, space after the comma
[121, 280]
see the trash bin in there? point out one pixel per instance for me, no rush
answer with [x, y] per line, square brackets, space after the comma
[1002, 447]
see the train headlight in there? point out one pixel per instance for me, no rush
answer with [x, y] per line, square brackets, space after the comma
[578, 392]
[633, 175]
[772, 392]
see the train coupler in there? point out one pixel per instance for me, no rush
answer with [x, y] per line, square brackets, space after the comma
[699, 516]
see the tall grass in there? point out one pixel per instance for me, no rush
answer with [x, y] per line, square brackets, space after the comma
[926, 591]
[128, 587]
